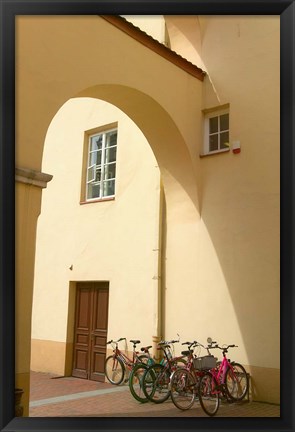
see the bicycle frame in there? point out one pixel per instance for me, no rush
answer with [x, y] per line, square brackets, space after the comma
[129, 363]
[220, 372]
[162, 379]
[203, 378]
[118, 354]
[170, 362]
[220, 375]
[217, 373]
[190, 360]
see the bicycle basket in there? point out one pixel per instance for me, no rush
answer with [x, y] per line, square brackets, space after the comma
[206, 362]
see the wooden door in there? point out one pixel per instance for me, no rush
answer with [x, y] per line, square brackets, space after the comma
[90, 330]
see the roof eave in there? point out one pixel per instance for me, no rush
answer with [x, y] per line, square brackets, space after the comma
[155, 45]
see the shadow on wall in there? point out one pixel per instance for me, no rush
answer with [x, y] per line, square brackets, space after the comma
[243, 223]
[243, 226]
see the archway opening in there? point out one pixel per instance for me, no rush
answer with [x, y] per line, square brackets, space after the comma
[142, 225]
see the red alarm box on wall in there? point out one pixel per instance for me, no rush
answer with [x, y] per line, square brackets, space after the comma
[236, 147]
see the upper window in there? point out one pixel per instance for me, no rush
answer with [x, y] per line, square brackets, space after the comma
[101, 165]
[216, 136]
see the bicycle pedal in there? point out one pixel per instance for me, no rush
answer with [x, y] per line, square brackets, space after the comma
[220, 387]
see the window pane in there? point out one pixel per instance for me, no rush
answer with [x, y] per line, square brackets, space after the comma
[224, 139]
[213, 125]
[98, 157]
[108, 188]
[110, 154]
[213, 142]
[111, 139]
[224, 122]
[98, 175]
[110, 171]
[96, 142]
[95, 158]
[93, 191]
[91, 173]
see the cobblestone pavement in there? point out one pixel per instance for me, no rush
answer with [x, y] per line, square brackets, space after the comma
[70, 397]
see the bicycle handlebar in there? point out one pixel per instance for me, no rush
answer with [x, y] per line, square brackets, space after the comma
[164, 342]
[167, 342]
[112, 341]
[193, 344]
[223, 348]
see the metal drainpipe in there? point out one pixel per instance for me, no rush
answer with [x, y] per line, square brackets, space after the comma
[157, 312]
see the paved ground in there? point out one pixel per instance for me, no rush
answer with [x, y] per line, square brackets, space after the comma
[70, 397]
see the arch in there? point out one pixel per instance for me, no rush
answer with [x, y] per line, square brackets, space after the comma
[166, 141]
[185, 37]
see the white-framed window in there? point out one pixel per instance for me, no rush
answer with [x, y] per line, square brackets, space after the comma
[216, 131]
[101, 165]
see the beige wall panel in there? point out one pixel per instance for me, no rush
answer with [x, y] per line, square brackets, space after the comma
[49, 356]
[264, 385]
[232, 292]
[114, 240]
[27, 210]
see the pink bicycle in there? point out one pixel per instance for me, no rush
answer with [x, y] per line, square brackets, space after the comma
[228, 379]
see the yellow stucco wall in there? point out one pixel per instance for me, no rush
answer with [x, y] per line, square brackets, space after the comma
[234, 269]
[115, 240]
[27, 201]
[220, 254]
[237, 264]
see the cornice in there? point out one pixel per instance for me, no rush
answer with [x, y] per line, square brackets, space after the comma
[32, 177]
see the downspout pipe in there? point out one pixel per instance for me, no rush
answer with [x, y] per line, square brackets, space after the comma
[157, 278]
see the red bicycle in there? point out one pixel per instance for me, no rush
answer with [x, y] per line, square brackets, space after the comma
[118, 363]
[184, 382]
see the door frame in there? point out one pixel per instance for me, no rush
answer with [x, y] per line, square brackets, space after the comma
[71, 319]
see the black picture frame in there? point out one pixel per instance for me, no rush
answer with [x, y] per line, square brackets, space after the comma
[11, 8]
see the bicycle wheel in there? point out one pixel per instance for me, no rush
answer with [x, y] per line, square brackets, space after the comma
[179, 363]
[135, 382]
[183, 389]
[236, 382]
[114, 370]
[208, 395]
[156, 381]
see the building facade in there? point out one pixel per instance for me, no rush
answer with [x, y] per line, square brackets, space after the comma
[162, 215]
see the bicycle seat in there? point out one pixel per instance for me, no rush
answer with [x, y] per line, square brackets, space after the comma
[145, 348]
[135, 342]
[186, 353]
